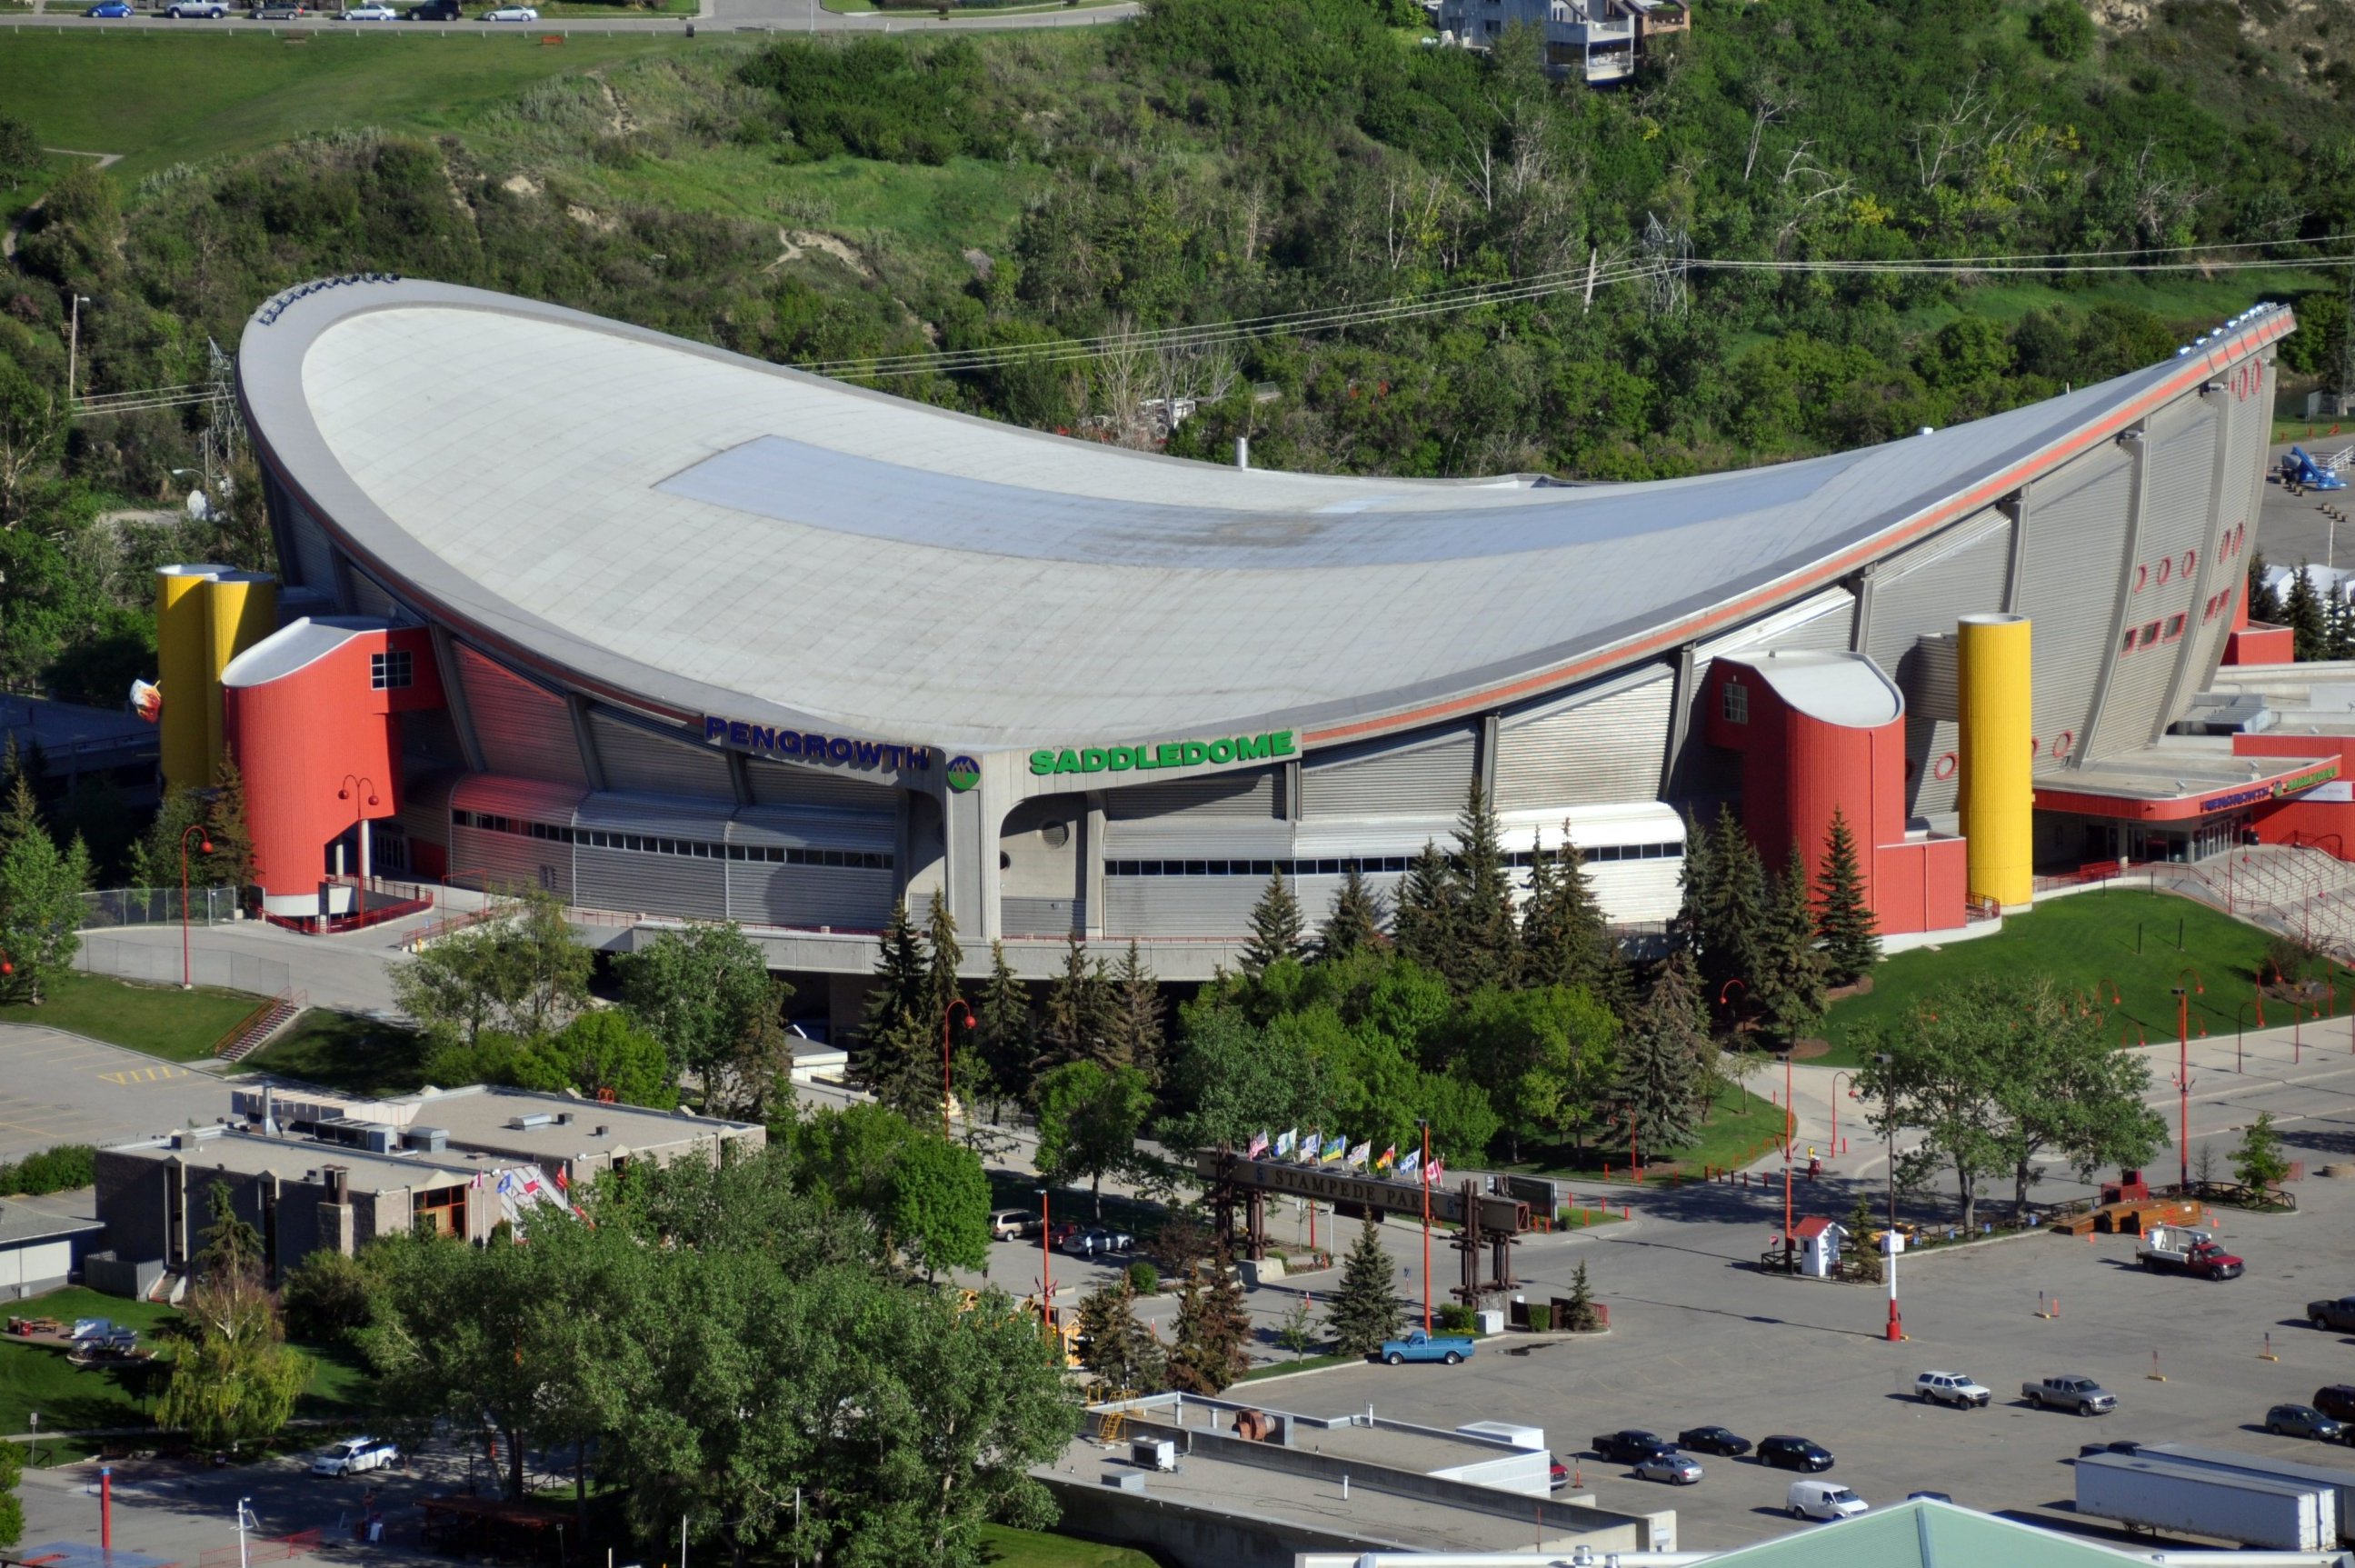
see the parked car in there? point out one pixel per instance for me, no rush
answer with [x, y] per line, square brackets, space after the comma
[113, 10]
[2337, 1401]
[1794, 1453]
[355, 1455]
[1929, 1497]
[1421, 1347]
[1055, 1235]
[2304, 1421]
[432, 11]
[2083, 1395]
[1668, 1466]
[1098, 1240]
[369, 13]
[1006, 1224]
[2122, 1446]
[1957, 1389]
[2338, 1314]
[1822, 1500]
[279, 11]
[1630, 1443]
[511, 13]
[1557, 1476]
[180, 10]
[1712, 1440]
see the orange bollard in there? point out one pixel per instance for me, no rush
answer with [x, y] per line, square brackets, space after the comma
[1625, 1212]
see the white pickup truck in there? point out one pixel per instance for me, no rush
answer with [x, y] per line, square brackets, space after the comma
[1957, 1389]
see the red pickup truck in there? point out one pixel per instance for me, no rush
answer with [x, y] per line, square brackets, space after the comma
[2176, 1249]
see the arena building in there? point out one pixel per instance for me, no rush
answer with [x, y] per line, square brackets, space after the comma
[678, 634]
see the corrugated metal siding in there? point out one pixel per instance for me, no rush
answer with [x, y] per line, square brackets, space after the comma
[1824, 621]
[778, 784]
[1179, 906]
[2179, 482]
[2245, 433]
[634, 883]
[676, 815]
[1042, 917]
[368, 599]
[845, 898]
[2076, 539]
[1375, 780]
[1829, 626]
[524, 729]
[637, 758]
[1244, 792]
[1316, 895]
[315, 559]
[526, 800]
[424, 813]
[1183, 837]
[509, 861]
[1587, 753]
[1960, 573]
[811, 829]
[430, 732]
[1636, 892]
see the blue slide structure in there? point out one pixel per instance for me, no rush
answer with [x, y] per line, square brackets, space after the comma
[2297, 468]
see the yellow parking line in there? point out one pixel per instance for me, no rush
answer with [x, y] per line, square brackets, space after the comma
[133, 1075]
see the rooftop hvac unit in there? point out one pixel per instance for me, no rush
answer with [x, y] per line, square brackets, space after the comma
[429, 1140]
[526, 1124]
[1152, 1453]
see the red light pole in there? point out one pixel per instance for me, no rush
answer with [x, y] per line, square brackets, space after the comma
[1836, 1094]
[2183, 1074]
[207, 847]
[956, 1005]
[1891, 1241]
[1424, 1170]
[2239, 1018]
[1046, 1266]
[354, 784]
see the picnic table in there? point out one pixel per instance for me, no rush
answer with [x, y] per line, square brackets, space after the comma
[27, 1327]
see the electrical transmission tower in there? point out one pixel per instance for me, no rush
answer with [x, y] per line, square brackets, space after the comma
[1668, 255]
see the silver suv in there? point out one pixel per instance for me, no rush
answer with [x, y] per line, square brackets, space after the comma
[1951, 1388]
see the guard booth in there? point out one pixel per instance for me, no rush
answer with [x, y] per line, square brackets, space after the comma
[1819, 1241]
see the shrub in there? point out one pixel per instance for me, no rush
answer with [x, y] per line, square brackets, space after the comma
[2063, 30]
[1143, 1279]
[1541, 1317]
[2286, 959]
[1457, 1318]
[325, 1297]
[59, 1170]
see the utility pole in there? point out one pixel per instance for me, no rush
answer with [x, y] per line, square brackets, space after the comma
[73, 348]
[1594, 253]
[2347, 352]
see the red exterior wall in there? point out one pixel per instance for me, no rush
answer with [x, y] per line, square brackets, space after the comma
[2260, 644]
[1797, 770]
[2327, 824]
[298, 737]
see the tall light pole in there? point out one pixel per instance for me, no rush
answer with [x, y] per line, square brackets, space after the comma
[1046, 1268]
[207, 847]
[957, 1004]
[73, 350]
[1889, 1116]
[352, 786]
[2183, 1074]
[244, 1510]
[1424, 1170]
[1836, 1094]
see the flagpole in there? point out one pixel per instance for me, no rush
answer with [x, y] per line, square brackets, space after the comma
[1426, 1225]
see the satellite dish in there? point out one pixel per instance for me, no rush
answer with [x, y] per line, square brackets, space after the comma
[199, 507]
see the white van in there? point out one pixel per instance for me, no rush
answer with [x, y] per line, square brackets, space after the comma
[1823, 1499]
[1006, 1224]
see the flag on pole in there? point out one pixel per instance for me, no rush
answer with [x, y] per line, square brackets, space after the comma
[1388, 1159]
[1284, 1144]
[1311, 1146]
[563, 1178]
[1258, 1145]
[1436, 1174]
[1360, 1154]
[1334, 1148]
[1408, 1165]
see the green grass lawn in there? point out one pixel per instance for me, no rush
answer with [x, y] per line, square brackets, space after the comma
[338, 1051]
[161, 1020]
[1738, 1125]
[167, 98]
[2117, 937]
[1002, 1546]
[37, 1377]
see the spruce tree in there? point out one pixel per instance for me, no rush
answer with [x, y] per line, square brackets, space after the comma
[1844, 922]
[898, 1043]
[2264, 603]
[946, 956]
[2303, 612]
[1733, 918]
[1424, 927]
[1564, 938]
[1120, 1351]
[1076, 1022]
[230, 864]
[1659, 1084]
[1355, 922]
[1791, 972]
[1213, 1327]
[1002, 1030]
[1488, 937]
[1584, 1319]
[1138, 1034]
[1366, 1309]
[1697, 882]
[155, 860]
[1276, 930]
[2339, 618]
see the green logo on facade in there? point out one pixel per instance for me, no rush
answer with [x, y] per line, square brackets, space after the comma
[964, 773]
[1163, 754]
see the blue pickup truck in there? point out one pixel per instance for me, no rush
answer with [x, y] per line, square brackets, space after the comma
[1421, 1347]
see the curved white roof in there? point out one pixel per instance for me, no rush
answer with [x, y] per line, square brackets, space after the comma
[704, 533]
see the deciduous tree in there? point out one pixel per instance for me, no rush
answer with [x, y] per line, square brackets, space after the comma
[522, 974]
[601, 1053]
[41, 897]
[1089, 1118]
[706, 993]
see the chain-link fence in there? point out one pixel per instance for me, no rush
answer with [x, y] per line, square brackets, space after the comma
[156, 906]
[159, 963]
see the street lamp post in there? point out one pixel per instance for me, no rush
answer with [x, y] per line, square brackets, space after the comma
[204, 844]
[956, 1005]
[1889, 1116]
[1835, 1097]
[1424, 1170]
[352, 786]
[1046, 1266]
[2183, 1074]
[2240, 1019]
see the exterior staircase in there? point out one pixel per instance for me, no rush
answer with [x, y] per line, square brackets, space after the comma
[255, 1030]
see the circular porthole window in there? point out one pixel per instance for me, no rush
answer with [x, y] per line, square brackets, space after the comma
[1056, 833]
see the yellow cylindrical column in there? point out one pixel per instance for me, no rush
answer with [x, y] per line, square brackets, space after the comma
[184, 669]
[242, 608]
[1997, 757]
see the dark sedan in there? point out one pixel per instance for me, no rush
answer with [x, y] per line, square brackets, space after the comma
[1630, 1443]
[1712, 1440]
[1794, 1453]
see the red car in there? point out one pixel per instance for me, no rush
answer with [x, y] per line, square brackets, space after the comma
[1059, 1232]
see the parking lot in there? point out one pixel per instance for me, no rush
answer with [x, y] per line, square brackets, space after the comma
[1700, 1336]
[59, 1088]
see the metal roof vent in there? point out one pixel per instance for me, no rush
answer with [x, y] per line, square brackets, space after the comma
[526, 1124]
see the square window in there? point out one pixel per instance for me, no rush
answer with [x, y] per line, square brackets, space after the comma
[391, 671]
[2175, 626]
[2149, 633]
[1734, 702]
[2126, 645]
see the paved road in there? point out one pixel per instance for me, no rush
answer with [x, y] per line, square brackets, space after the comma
[2292, 528]
[716, 16]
